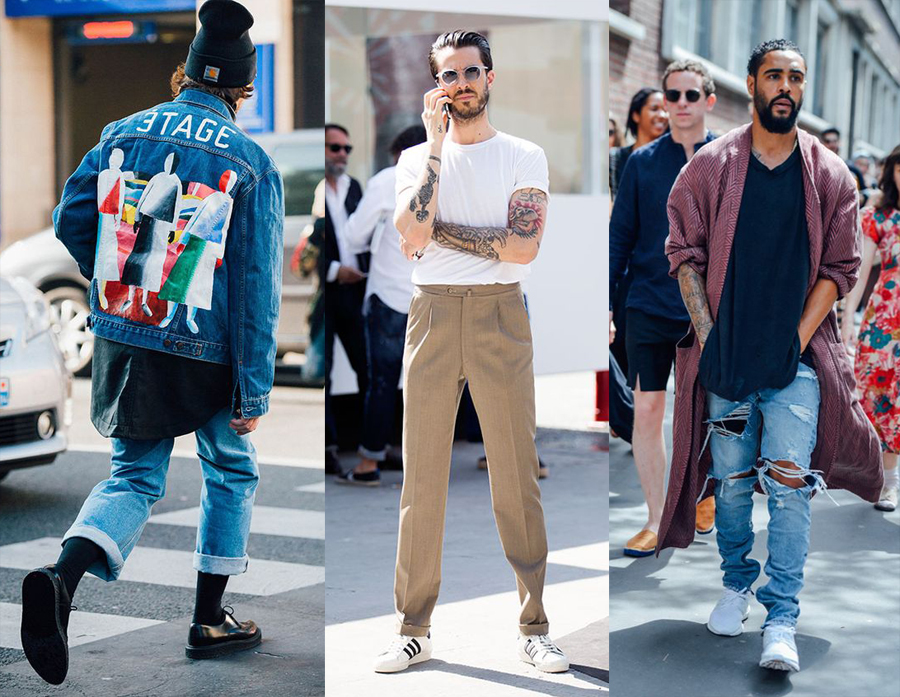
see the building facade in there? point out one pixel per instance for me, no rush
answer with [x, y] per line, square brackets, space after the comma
[70, 67]
[852, 48]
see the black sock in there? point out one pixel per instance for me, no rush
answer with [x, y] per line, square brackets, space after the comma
[77, 555]
[208, 604]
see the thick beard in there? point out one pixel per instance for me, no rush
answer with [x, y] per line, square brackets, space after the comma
[772, 123]
[477, 110]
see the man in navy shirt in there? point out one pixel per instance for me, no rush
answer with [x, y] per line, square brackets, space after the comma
[656, 314]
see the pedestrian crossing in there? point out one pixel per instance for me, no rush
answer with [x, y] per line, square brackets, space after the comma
[173, 568]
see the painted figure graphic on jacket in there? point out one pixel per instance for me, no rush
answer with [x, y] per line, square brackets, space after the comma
[111, 204]
[156, 216]
[191, 279]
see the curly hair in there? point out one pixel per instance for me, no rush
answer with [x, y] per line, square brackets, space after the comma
[180, 82]
[759, 53]
[691, 66]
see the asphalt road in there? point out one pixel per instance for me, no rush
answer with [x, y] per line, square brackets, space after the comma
[848, 634]
[127, 637]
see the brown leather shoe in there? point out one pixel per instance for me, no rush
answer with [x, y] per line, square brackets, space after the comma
[706, 515]
[641, 545]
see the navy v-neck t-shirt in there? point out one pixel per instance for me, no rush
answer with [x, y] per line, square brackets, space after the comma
[754, 344]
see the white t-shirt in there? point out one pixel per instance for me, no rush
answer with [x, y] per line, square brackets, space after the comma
[476, 184]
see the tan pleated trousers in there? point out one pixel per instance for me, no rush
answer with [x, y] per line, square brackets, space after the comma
[480, 334]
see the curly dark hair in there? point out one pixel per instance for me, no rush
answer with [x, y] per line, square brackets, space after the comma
[759, 53]
[887, 185]
[180, 82]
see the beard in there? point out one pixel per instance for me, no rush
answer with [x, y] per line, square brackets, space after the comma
[772, 123]
[334, 169]
[468, 111]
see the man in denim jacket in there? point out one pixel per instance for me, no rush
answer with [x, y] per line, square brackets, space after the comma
[177, 217]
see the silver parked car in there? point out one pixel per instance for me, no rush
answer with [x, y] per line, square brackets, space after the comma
[45, 262]
[35, 384]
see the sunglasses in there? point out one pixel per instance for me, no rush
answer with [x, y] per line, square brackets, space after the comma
[334, 147]
[470, 74]
[674, 95]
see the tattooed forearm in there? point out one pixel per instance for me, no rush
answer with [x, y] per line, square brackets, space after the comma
[526, 213]
[424, 194]
[478, 241]
[693, 292]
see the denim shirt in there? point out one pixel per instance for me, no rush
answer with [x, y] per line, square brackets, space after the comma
[177, 218]
[638, 228]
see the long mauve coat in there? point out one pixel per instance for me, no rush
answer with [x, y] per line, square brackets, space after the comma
[703, 211]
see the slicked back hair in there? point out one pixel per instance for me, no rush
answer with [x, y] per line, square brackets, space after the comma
[460, 38]
[758, 55]
[691, 66]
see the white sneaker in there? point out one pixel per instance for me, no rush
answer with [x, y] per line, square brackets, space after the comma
[779, 649]
[542, 653]
[888, 499]
[403, 652]
[729, 614]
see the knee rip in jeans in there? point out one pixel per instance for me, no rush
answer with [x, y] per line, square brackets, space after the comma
[729, 426]
[812, 480]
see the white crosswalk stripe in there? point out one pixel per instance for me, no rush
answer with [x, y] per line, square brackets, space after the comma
[266, 520]
[172, 567]
[84, 627]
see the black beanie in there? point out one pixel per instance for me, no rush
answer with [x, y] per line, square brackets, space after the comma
[222, 54]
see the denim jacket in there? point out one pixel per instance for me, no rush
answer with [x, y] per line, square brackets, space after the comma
[177, 218]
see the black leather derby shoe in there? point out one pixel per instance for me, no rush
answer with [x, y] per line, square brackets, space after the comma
[212, 640]
[45, 622]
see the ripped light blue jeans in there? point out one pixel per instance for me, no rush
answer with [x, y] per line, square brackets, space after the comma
[752, 436]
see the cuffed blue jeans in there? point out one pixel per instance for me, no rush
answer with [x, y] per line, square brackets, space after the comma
[752, 436]
[116, 511]
[385, 337]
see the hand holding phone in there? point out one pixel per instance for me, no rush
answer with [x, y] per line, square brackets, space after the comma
[434, 115]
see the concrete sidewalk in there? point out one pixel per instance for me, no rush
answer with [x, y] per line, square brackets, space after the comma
[474, 624]
[848, 636]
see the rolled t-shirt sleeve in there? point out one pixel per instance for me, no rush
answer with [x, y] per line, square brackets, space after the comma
[532, 171]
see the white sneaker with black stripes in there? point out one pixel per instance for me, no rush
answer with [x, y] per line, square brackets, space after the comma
[403, 652]
[542, 653]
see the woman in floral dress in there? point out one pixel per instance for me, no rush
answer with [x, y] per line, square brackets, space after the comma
[878, 350]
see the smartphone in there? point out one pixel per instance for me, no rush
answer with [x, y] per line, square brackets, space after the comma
[446, 109]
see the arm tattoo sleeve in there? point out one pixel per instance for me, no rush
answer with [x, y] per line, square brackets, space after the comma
[526, 213]
[478, 241]
[693, 292]
[424, 195]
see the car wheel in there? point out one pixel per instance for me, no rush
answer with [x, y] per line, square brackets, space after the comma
[70, 311]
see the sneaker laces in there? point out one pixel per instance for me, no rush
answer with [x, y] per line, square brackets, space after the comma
[779, 633]
[546, 644]
[398, 643]
[733, 598]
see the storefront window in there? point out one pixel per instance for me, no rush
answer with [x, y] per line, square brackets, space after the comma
[377, 72]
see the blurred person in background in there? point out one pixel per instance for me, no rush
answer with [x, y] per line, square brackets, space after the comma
[647, 120]
[656, 316]
[341, 277]
[389, 290]
[160, 372]
[877, 361]
[831, 139]
[471, 208]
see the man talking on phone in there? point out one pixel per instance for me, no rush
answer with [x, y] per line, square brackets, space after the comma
[471, 209]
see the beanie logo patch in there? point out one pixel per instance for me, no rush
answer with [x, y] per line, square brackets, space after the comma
[211, 73]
